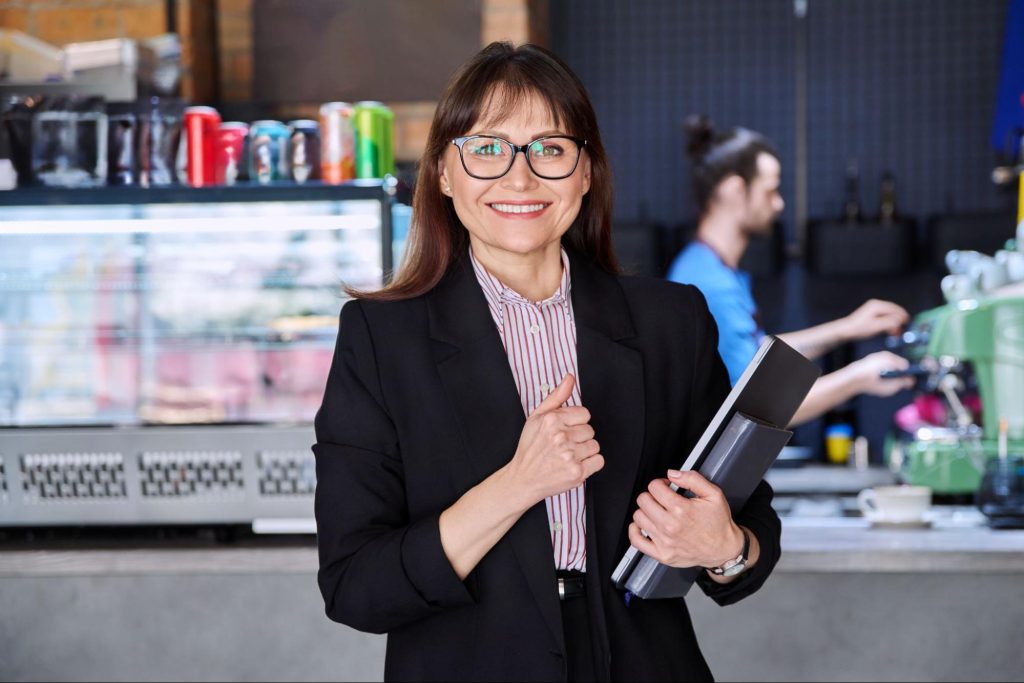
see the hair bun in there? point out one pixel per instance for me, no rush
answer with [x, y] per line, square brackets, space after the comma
[699, 135]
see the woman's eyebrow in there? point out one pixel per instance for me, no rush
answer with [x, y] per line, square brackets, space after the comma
[502, 134]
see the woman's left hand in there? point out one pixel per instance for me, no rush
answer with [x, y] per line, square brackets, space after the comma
[685, 532]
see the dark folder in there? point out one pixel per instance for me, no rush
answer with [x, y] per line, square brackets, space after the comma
[734, 452]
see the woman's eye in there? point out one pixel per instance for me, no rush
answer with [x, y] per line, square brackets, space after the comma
[486, 149]
[546, 149]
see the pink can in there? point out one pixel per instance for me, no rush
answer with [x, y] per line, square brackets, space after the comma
[230, 151]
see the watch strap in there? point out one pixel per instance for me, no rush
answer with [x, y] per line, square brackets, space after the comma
[737, 564]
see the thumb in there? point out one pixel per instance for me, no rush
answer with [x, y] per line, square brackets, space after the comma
[558, 396]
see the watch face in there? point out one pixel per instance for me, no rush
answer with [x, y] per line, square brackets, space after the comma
[734, 569]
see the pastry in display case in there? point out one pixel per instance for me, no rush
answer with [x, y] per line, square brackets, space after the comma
[171, 345]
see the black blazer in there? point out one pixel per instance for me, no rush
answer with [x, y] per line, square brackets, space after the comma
[421, 405]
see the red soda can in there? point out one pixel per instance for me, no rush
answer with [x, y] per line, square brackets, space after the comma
[201, 125]
[229, 151]
[337, 143]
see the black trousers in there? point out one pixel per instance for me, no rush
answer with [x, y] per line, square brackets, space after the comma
[578, 644]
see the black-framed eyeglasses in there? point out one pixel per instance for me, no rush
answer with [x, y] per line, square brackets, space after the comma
[487, 157]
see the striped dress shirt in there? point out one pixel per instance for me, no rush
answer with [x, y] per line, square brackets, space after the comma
[540, 341]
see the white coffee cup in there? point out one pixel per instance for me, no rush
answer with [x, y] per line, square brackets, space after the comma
[895, 504]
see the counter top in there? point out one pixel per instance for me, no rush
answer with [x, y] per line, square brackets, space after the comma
[956, 542]
[825, 479]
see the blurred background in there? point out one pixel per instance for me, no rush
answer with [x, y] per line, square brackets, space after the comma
[187, 184]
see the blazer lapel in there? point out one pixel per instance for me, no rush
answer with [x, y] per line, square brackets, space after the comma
[612, 388]
[475, 373]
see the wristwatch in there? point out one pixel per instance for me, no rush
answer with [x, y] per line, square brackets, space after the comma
[736, 565]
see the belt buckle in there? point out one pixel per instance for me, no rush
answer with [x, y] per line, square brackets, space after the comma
[561, 588]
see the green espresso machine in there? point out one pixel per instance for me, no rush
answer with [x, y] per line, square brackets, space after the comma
[969, 359]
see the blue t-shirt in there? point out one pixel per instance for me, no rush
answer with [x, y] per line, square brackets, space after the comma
[730, 300]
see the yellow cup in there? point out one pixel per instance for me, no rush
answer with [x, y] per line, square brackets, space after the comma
[838, 443]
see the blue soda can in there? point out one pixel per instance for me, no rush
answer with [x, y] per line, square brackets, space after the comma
[268, 151]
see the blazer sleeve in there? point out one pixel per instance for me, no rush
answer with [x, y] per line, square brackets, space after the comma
[379, 569]
[711, 386]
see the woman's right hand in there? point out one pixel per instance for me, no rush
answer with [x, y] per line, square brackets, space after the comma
[557, 451]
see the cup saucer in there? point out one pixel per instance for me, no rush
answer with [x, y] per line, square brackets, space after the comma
[878, 522]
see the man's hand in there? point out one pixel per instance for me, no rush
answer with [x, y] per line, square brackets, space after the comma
[867, 372]
[874, 317]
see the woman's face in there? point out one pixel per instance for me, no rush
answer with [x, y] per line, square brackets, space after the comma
[520, 213]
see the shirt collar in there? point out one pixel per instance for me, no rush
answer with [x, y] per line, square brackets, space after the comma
[497, 293]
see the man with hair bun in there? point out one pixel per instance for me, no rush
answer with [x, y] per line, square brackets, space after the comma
[736, 176]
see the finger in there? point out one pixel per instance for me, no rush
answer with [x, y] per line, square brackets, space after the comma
[574, 415]
[701, 487]
[644, 545]
[592, 464]
[895, 314]
[669, 499]
[893, 361]
[648, 526]
[557, 397]
[653, 510]
[585, 450]
[580, 433]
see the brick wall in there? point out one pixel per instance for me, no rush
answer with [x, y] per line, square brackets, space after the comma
[517, 21]
[64, 21]
[67, 21]
[234, 33]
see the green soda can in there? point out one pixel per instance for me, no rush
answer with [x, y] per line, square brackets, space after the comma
[374, 136]
[387, 141]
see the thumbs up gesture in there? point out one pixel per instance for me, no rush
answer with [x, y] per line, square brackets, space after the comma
[557, 451]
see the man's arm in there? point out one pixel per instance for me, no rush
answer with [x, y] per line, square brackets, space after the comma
[860, 377]
[872, 317]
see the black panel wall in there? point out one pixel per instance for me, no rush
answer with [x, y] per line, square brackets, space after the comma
[901, 85]
[907, 86]
[649, 64]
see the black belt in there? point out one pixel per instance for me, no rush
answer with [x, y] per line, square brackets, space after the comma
[571, 585]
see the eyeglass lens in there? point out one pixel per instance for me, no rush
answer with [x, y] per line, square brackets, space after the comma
[489, 157]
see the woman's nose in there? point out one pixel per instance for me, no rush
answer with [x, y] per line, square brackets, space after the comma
[519, 177]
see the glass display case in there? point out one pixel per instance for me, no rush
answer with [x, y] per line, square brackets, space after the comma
[172, 344]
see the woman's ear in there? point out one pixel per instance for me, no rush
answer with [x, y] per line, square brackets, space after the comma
[586, 175]
[442, 178]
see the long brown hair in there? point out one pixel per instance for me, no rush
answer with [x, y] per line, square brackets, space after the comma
[505, 77]
[714, 156]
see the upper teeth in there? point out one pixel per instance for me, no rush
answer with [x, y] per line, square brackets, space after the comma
[517, 208]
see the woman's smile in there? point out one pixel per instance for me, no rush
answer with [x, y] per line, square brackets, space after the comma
[519, 209]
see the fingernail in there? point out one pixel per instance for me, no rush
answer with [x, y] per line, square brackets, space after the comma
[674, 474]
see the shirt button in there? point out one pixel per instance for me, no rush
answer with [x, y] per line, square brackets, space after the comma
[557, 526]
[534, 329]
[544, 387]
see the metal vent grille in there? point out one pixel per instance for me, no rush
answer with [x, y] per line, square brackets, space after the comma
[286, 473]
[190, 473]
[72, 476]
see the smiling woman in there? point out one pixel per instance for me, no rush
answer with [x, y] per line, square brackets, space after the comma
[516, 207]
[472, 498]
[502, 87]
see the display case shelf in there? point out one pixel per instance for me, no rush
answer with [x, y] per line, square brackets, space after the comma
[136, 321]
[282, 191]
